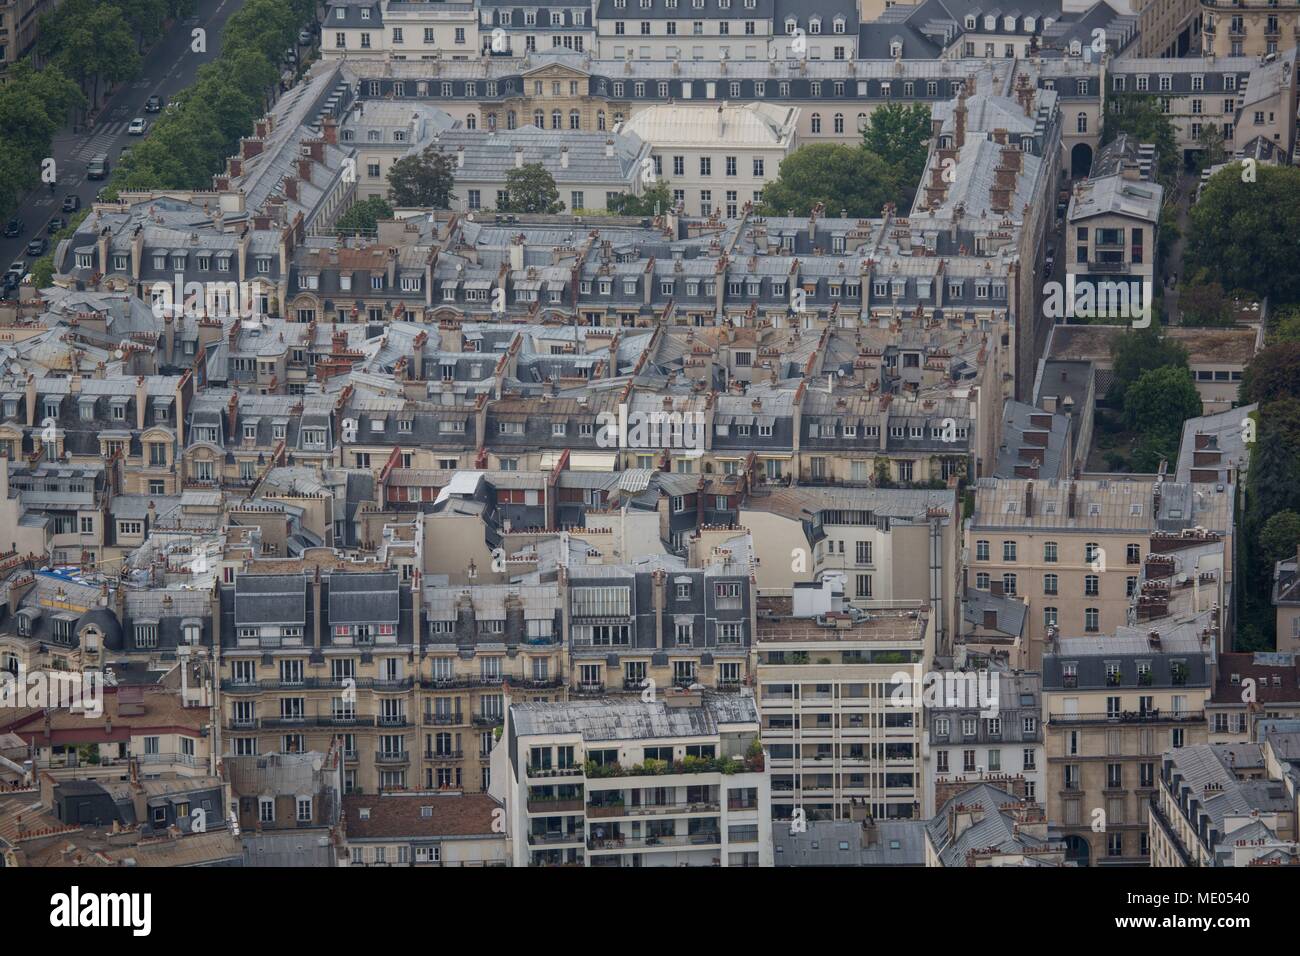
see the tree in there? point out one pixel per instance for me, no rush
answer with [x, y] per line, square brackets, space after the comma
[1203, 303]
[1158, 403]
[1210, 142]
[1274, 462]
[1273, 373]
[424, 180]
[844, 179]
[656, 200]
[1241, 231]
[363, 218]
[530, 188]
[1141, 117]
[1279, 537]
[1286, 325]
[900, 135]
[90, 42]
[1138, 351]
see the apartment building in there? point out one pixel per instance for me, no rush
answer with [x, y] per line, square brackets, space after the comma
[423, 830]
[1244, 96]
[997, 741]
[715, 160]
[1076, 551]
[1111, 708]
[508, 29]
[1286, 602]
[675, 625]
[1250, 689]
[1225, 805]
[678, 780]
[986, 825]
[1111, 233]
[384, 30]
[590, 170]
[20, 28]
[1256, 28]
[688, 29]
[314, 652]
[839, 731]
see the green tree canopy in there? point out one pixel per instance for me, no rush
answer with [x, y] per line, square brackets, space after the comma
[657, 199]
[900, 134]
[530, 188]
[423, 180]
[1161, 400]
[1273, 373]
[1138, 351]
[1242, 233]
[1202, 302]
[842, 178]
[1142, 118]
[363, 217]
[1279, 537]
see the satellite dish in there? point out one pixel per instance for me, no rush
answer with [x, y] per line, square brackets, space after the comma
[118, 354]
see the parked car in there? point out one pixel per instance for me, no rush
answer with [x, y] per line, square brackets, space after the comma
[137, 127]
[304, 38]
[71, 202]
[14, 227]
[55, 224]
[153, 104]
[9, 283]
[17, 269]
[38, 246]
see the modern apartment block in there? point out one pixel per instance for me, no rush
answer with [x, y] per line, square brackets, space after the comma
[840, 727]
[678, 780]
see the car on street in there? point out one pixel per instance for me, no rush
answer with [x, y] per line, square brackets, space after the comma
[14, 227]
[154, 104]
[137, 127]
[71, 202]
[17, 269]
[55, 224]
[304, 38]
[38, 246]
[97, 168]
[8, 284]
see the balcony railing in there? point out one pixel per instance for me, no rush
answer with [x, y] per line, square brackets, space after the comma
[444, 720]
[488, 720]
[707, 838]
[1131, 717]
[647, 810]
[232, 685]
[443, 754]
[543, 839]
[555, 806]
[1109, 267]
[393, 756]
[554, 772]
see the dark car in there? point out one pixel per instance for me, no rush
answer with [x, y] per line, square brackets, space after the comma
[55, 224]
[9, 283]
[38, 246]
[153, 104]
[14, 227]
[71, 202]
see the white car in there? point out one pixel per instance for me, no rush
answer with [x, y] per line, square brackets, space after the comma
[137, 127]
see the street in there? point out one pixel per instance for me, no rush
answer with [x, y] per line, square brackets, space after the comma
[170, 66]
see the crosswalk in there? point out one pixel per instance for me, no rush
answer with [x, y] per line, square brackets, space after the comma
[102, 138]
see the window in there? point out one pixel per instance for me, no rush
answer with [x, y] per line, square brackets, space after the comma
[981, 550]
[1008, 551]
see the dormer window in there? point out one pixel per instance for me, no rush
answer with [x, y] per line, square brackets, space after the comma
[51, 408]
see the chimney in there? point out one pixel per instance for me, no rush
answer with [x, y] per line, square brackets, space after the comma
[519, 157]
[564, 157]
[1029, 500]
[990, 620]
[959, 121]
[609, 149]
[330, 130]
[290, 188]
[1070, 500]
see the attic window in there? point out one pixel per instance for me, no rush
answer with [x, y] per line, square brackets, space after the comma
[426, 812]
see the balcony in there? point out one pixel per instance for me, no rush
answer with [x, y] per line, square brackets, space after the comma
[318, 720]
[443, 720]
[556, 805]
[552, 839]
[393, 720]
[650, 810]
[707, 838]
[1108, 267]
[537, 684]
[392, 756]
[554, 772]
[233, 686]
[444, 754]
[1156, 716]
[488, 720]
[587, 689]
